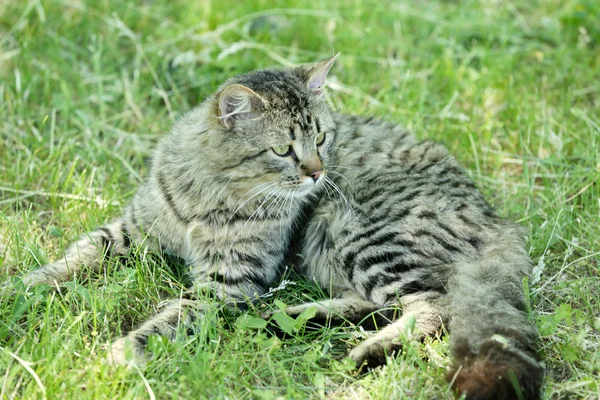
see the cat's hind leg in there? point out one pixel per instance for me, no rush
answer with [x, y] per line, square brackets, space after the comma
[347, 306]
[420, 318]
[87, 252]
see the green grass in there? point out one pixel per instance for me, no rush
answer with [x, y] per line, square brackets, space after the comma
[87, 88]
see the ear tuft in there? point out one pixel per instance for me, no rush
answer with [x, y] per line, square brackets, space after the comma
[319, 72]
[238, 101]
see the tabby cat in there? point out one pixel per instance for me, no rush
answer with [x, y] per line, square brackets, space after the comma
[393, 223]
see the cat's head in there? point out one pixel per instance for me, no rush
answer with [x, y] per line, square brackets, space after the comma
[274, 127]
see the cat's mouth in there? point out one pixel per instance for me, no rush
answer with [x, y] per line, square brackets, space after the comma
[306, 186]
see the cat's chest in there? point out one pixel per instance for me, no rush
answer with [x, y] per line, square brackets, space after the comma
[222, 232]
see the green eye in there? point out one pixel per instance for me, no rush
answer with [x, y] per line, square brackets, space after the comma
[320, 139]
[282, 151]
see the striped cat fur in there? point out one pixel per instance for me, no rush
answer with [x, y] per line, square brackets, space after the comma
[394, 223]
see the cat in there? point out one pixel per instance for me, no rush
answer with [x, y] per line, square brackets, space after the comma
[392, 223]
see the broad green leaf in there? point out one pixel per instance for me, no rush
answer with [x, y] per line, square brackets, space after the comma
[285, 322]
[280, 304]
[305, 316]
[248, 322]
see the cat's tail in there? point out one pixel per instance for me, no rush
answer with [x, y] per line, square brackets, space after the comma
[492, 341]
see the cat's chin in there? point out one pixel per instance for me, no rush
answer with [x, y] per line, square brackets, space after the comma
[303, 190]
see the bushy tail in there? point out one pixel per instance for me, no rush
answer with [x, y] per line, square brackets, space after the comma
[493, 343]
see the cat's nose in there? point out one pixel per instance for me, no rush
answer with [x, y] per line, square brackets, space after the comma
[316, 174]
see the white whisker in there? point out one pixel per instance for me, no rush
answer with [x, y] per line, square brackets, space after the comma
[337, 189]
[218, 196]
[280, 212]
[337, 166]
[326, 187]
[253, 196]
[276, 199]
[291, 202]
[346, 179]
[256, 212]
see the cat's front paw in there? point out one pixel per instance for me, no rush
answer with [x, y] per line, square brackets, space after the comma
[124, 351]
[13, 287]
[7, 290]
[268, 315]
[46, 275]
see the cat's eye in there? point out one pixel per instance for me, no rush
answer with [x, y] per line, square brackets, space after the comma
[320, 139]
[282, 151]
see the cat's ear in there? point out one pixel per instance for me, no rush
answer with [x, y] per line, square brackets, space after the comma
[319, 72]
[238, 101]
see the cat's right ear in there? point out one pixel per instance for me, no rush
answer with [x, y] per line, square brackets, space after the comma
[319, 72]
[238, 101]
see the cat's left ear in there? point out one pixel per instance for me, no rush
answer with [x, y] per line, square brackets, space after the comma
[319, 72]
[239, 102]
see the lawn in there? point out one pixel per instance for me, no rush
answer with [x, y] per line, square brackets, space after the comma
[88, 87]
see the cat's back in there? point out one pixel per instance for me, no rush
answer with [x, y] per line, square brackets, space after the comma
[384, 164]
[367, 142]
[379, 158]
[404, 191]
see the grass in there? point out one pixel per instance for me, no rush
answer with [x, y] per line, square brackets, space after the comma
[87, 87]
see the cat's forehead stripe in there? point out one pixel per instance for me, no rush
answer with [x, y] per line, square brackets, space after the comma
[305, 121]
